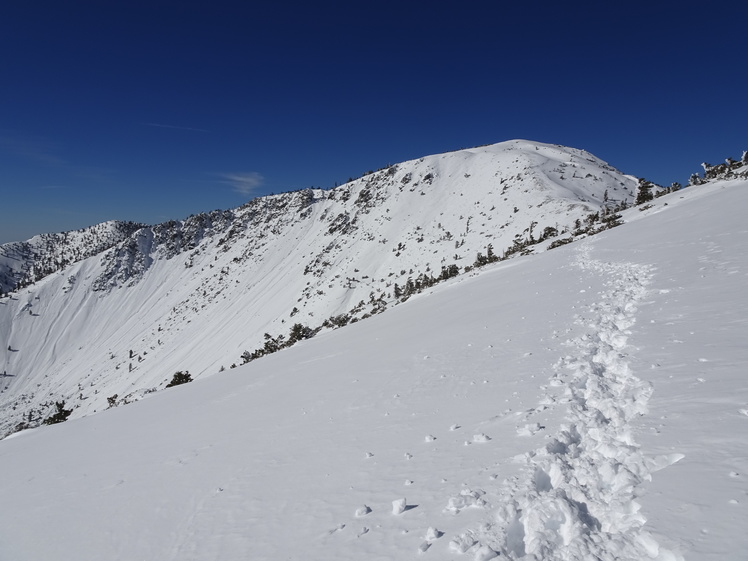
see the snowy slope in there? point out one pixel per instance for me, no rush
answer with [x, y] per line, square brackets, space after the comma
[194, 295]
[584, 403]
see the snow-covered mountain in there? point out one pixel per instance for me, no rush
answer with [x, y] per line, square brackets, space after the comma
[583, 403]
[23, 263]
[120, 323]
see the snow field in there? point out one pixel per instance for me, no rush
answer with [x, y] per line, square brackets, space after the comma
[606, 379]
[693, 332]
[286, 440]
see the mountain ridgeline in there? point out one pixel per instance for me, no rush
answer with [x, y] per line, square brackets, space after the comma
[24, 263]
[103, 316]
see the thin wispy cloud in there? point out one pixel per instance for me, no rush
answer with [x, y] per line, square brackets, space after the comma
[245, 183]
[35, 149]
[40, 150]
[162, 126]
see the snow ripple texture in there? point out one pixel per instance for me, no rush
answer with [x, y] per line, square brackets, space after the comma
[577, 499]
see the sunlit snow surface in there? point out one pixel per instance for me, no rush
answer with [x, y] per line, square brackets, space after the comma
[589, 402]
[124, 320]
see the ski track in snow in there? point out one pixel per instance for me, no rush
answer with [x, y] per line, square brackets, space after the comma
[577, 497]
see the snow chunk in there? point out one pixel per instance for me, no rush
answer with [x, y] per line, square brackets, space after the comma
[398, 506]
[466, 498]
[529, 429]
[484, 553]
[433, 534]
[363, 510]
[462, 543]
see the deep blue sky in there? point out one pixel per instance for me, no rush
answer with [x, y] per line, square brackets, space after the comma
[154, 110]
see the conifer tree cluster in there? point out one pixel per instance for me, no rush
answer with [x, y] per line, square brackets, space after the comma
[731, 169]
[482, 260]
[272, 344]
[644, 192]
[176, 380]
[61, 414]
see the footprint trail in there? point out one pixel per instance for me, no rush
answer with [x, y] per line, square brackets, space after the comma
[577, 498]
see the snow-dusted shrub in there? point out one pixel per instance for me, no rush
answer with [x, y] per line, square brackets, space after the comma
[180, 378]
[60, 415]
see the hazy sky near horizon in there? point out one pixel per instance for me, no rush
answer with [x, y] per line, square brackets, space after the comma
[149, 111]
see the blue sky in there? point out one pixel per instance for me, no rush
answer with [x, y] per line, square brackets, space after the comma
[149, 111]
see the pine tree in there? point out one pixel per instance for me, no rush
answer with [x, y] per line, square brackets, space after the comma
[180, 378]
[298, 333]
[644, 193]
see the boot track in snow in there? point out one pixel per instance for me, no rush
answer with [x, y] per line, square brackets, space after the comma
[577, 499]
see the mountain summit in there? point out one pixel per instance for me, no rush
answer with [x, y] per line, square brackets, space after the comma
[119, 318]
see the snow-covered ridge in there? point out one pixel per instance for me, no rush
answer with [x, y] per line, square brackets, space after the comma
[123, 321]
[24, 263]
[510, 179]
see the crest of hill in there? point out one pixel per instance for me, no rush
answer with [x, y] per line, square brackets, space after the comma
[437, 198]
